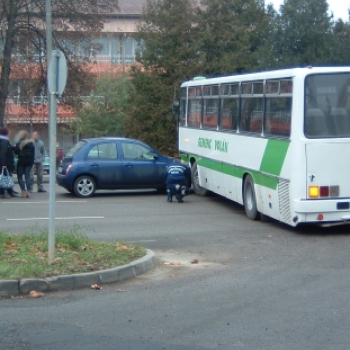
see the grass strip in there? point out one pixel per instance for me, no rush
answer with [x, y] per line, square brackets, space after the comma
[26, 255]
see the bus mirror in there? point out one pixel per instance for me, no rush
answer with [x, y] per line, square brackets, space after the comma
[176, 107]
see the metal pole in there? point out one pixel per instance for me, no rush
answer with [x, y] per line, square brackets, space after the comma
[52, 137]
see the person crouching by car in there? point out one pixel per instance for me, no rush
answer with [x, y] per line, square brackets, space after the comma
[26, 152]
[178, 182]
[6, 161]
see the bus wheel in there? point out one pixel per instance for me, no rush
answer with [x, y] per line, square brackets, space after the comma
[198, 190]
[249, 198]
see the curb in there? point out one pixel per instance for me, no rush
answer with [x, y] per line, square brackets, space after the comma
[80, 280]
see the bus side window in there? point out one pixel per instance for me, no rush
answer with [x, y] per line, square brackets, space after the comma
[252, 114]
[194, 112]
[278, 116]
[229, 114]
[211, 113]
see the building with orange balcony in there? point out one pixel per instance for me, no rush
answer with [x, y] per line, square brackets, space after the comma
[113, 48]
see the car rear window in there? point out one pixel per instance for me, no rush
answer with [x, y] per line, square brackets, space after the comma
[75, 149]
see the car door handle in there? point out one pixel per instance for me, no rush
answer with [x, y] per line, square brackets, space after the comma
[128, 165]
[94, 165]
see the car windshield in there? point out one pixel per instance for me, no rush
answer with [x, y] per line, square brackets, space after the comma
[327, 105]
[75, 148]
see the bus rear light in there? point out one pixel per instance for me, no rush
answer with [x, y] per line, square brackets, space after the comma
[324, 191]
[320, 217]
[334, 191]
[313, 191]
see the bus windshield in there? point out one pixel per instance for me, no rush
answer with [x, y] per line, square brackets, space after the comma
[327, 106]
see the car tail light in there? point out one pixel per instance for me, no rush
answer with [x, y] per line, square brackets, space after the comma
[323, 191]
[320, 217]
[69, 167]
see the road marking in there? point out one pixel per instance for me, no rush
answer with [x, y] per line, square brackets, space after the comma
[146, 240]
[32, 202]
[67, 218]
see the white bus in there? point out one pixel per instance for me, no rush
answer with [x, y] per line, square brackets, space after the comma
[276, 142]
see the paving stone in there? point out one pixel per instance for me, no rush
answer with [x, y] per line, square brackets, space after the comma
[145, 264]
[126, 272]
[86, 279]
[28, 284]
[8, 288]
[109, 276]
[64, 282]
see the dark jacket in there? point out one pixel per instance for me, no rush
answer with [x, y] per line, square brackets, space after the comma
[26, 152]
[6, 154]
[179, 174]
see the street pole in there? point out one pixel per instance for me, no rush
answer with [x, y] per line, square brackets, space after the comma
[52, 137]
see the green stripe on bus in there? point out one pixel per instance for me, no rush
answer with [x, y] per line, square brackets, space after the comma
[258, 177]
[271, 164]
[274, 156]
[236, 171]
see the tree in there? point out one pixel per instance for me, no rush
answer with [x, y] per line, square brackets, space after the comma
[169, 55]
[150, 118]
[22, 34]
[304, 33]
[340, 51]
[231, 33]
[104, 111]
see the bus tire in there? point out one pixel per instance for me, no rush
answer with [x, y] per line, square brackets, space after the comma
[249, 199]
[198, 190]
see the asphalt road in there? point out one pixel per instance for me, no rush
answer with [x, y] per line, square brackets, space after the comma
[257, 285]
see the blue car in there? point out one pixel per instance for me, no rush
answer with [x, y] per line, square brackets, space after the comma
[112, 164]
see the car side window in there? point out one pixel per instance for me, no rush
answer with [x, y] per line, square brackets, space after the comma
[135, 151]
[104, 151]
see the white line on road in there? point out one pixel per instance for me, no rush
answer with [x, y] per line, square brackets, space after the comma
[147, 240]
[32, 202]
[67, 218]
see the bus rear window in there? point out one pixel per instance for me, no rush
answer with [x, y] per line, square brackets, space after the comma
[327, 106]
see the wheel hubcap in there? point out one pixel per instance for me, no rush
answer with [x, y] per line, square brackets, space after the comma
[85, 187]
[249, 197]
[196, 179]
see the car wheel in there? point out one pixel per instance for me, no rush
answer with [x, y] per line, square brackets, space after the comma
[84, 186]
[198, 190]
[249, 198]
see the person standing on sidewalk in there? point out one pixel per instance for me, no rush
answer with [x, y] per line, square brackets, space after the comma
[26, 151]
[38, 162]
[6, 160]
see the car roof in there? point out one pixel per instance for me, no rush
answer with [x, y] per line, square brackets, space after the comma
[109, 138]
